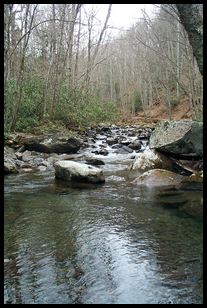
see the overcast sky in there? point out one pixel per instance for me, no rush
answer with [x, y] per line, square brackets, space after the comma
[122, 15]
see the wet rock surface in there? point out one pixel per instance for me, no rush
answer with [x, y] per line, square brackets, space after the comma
[159, 177]
[63, 145]
[151, 159]
[78, 172]
[9, 167]
[181, 138]
[32, 153]
[116, 150]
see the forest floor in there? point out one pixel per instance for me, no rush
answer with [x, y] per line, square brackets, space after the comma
[159, 111]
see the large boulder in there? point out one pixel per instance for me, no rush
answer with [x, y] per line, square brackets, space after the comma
[9, 166]
[184, 138]
[17, 140]
[9, 160]
[71, 145]
[78, 172]
[9, 152]
[53, 143]
[150, 159]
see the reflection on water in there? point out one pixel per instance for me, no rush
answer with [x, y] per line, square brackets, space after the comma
[115, 244]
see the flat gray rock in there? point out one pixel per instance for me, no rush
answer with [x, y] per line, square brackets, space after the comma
[78, 172]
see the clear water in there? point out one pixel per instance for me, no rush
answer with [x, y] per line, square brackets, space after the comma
[110, 244]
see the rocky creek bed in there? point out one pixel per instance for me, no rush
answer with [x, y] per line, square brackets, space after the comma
[95, 146]
[121, 241]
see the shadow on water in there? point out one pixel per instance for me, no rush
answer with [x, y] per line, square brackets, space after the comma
[111, 244]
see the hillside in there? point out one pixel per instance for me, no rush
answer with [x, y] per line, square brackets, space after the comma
[160, 111]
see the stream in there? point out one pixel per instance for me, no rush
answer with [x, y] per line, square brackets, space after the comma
[114, 243]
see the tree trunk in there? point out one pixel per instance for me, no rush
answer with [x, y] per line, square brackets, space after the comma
[178, 61]
[19, 86]
[192, 21]
[77, 51]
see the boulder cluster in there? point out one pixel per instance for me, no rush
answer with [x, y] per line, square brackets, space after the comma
[170, 154]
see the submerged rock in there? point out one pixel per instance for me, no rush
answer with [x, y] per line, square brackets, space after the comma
[78, 172]
[159, 177]
[112, 140]
[94, 161]
[178, 137]
[162, 177]
[135, 145]
[101, 152]
[194, 207]
[124, 150]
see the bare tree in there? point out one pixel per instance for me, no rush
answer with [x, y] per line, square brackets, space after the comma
[92, 57]
[19, 87]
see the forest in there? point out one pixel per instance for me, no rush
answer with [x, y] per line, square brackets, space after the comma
[63, 65]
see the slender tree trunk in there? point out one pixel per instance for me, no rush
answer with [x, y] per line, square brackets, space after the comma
[92, 58]
[6, 41]
[77, 50]
[74, 13]
[19, 86]
[56, 84]
[111, 80]
[178, 60]
[9, 23]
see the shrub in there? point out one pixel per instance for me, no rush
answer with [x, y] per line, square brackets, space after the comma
[77, 106]
[137, 102]
[83, 109]
[30, 107]
[174, 102]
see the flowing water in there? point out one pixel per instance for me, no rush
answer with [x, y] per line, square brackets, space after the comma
[108, 244]
[112, 244]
